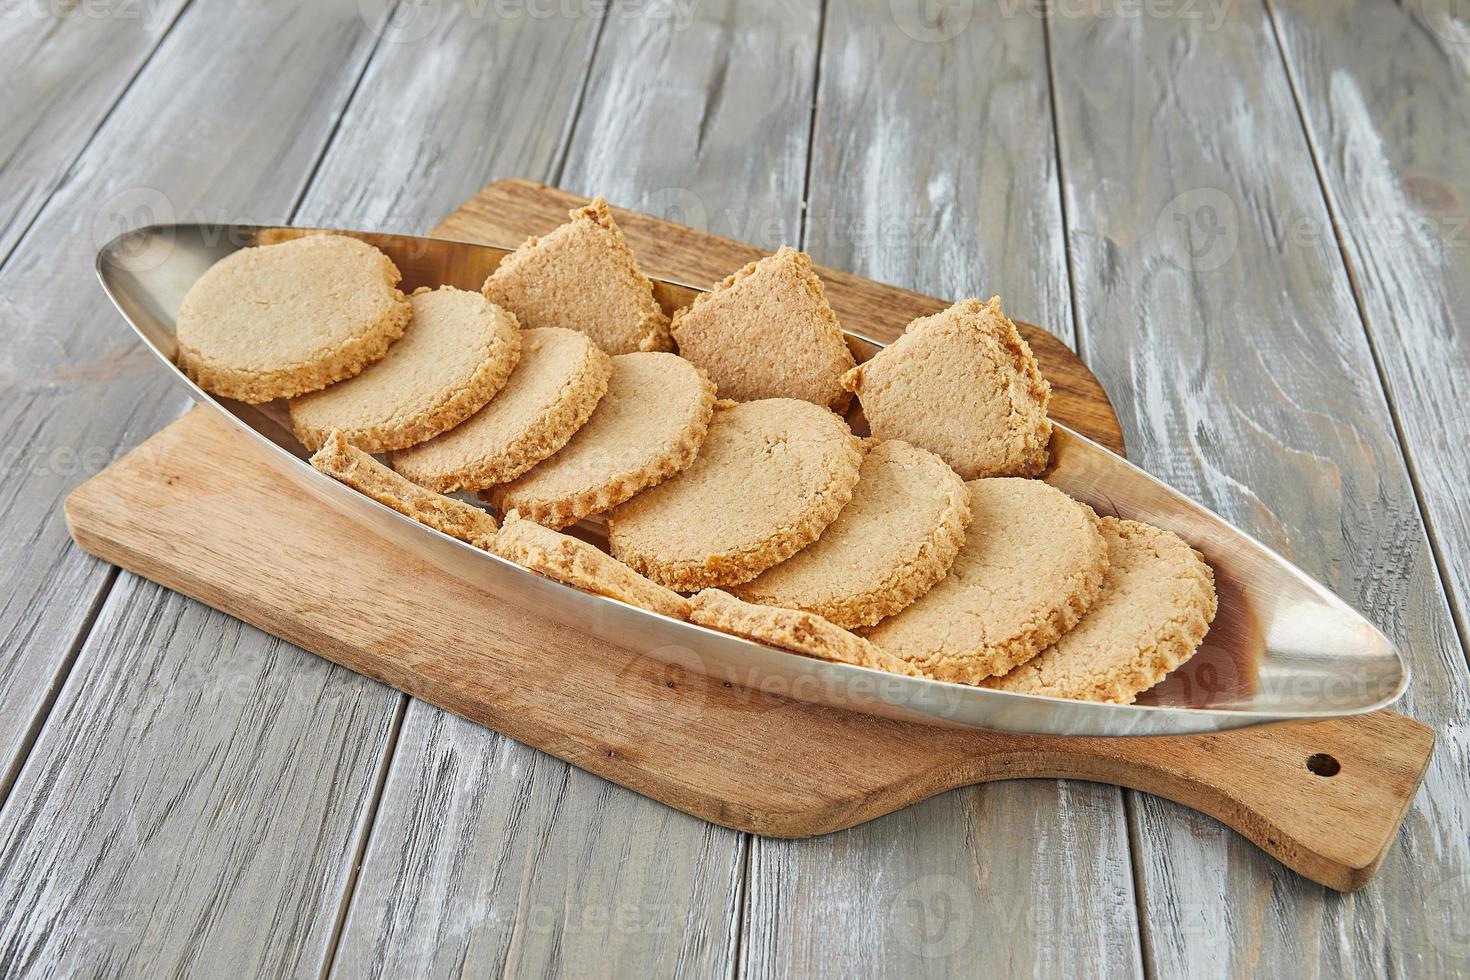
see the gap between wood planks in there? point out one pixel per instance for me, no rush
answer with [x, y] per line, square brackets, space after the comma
[1130, 821]
[562, 156]
[84, 630]
[66, 169]
[391, 743]
[1436, 550]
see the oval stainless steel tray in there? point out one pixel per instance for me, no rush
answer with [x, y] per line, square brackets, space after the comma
[1282, 646]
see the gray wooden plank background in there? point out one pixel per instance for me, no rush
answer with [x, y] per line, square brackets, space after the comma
[1249, 218]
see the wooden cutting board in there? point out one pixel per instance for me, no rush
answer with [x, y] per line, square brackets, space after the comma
[197, 508]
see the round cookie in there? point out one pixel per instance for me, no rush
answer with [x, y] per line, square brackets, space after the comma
[1031, 565]
[647, 427]
[894, 540]
[791, 629]
[963, 384]
[1157, 603]
[456, 354]
[560, 378]
[771, 475]
[278, 321]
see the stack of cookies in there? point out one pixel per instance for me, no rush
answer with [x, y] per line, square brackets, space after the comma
[717, 448]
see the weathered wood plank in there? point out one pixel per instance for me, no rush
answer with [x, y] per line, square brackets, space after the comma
[457, 95]
[562, 873]
[934, 168]
[202, 134]
[1240, 367]
[66, 66]
[1386, 95]
[491, 859]
[705, 122]
[186, 812]
[494, 60]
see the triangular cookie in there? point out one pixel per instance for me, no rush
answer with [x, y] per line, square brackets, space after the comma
[582, 276]
[768, 332]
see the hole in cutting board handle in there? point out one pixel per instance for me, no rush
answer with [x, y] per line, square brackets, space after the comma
[1322, 764]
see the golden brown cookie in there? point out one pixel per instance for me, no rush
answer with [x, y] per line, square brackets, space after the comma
[583, 276]
[360, 471]
[560, 378]
[791, 629]
[1157, 603]
[961, 383]
[771, 475]
[768, 332]
[574, 562]
[647, 427]
[894, 540]
[457, 353]
[278, 321]
[1031, 565]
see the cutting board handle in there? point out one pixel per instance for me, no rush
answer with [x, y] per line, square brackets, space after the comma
[1324, 798]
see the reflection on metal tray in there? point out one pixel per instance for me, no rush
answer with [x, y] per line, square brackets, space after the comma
[1281, 647]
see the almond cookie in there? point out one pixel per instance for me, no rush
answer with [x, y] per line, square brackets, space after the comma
[361, 472]
[583, 276]
[1031, 565]
[767, 332]
[647, 427]
[961, 383]
[278, 321]
[574, 562]
[791, 629]
[1157, 603]
[771, 475]
[894, 540]
[456, 354]
[559, 380]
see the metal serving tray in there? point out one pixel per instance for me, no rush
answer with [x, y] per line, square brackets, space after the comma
[1281, 647]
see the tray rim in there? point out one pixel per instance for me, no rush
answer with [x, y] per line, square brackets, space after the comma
[1225, 717]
